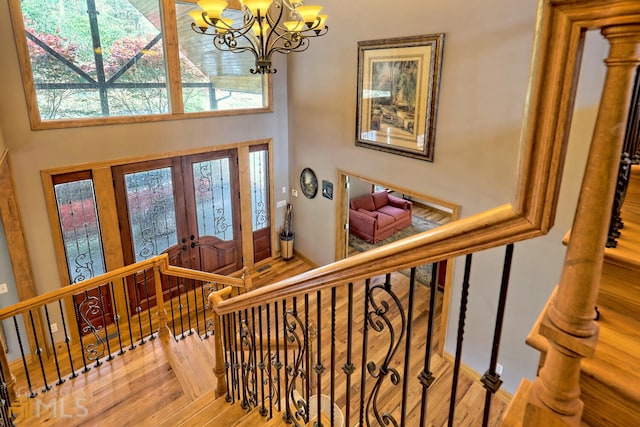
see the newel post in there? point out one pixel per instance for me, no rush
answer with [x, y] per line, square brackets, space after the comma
[219, 368]
[569, 323]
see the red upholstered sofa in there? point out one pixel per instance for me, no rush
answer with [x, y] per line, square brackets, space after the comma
[376, 216]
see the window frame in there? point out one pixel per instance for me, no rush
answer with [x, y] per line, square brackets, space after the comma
[173, 73]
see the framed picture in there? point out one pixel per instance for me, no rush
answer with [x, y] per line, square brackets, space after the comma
[398, 83]
[327, 189]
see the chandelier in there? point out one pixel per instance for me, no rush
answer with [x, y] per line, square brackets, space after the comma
[266, 27]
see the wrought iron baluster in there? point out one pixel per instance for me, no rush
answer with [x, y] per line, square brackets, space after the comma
[349, 367]
[117, 320]
[407, 349]
[146, 289]
[287, 413]
[53, 346]
[67, 340]
[491, 380]
[84, 360]
[461, 322]
[426, 377]
[227, 352]
[319, 367]
[47, 387]
[297, 337]
[88, 308]
[195, 304]
[239, 356]
[278, 364]
[208, 324]
[269, 364]
[262, 366]
[378, 320]
[173, 316]
[127, 299]
[365, 344]
[104, 322]
[333, 355]
[308, 360]
[24, 359]
[180, 307]
[138, 307]
[248, 341]
[186, 296]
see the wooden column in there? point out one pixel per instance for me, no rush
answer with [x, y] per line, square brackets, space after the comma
[569, 323]
[219, 369]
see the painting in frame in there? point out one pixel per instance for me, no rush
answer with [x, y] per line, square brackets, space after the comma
[398, 84]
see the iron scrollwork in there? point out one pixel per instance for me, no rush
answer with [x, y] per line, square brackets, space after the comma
[249, 383]
[379, 320]
[88, 308]
[296, 335]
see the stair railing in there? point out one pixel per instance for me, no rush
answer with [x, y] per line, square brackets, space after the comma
[105, 332]
[569, 324]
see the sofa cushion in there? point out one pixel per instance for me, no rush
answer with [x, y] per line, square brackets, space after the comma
[384, 220]
[369, 213]
[381, 198]
[364, 202]
[394, 212]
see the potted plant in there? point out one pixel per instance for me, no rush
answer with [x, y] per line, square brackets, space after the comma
[286, 234]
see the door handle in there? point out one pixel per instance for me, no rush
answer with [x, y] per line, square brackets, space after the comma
[184, 240]
[184, 247]
[193, 237]
[193, 244]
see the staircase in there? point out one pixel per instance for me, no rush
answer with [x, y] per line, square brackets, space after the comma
[610, 382]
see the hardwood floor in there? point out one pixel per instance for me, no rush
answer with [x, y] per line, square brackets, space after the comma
[165, 381]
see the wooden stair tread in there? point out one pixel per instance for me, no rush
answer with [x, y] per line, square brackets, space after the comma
[187, 356]
[230, 415]
[251, 419]
[207, 401]
[617, 358]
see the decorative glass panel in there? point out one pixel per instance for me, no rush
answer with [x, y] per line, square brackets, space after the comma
[211, 79]
[259, 167]
[212, 186]
[96, 58]
[152, 213]
[78, 217]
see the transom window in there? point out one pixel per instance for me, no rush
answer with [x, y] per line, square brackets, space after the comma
[86, 62]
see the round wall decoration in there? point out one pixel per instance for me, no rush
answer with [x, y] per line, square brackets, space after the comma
[308, 183]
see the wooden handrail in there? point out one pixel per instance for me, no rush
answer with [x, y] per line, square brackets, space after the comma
[160, 261]
[489, 229]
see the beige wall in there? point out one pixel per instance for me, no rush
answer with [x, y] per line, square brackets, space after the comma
[487, 52]
[33, 151]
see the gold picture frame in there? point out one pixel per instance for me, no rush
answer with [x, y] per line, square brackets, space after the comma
[398, 85]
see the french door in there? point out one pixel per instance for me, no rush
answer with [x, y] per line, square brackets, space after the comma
[187, 207]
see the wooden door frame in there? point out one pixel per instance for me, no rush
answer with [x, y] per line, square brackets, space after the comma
[18, 254]
[106, 202]
[342, 232]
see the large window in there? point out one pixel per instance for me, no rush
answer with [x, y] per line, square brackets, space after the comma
[86, 62]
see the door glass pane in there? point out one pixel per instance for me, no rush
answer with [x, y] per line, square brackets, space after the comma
[152, 212]
[78, 217]
[212, 187]
[259, 189]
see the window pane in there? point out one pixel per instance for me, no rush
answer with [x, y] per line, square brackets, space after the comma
[259, 189]
[152, 212]
[93, 58]
[215, 80]
[212, 187]
[78, 217]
